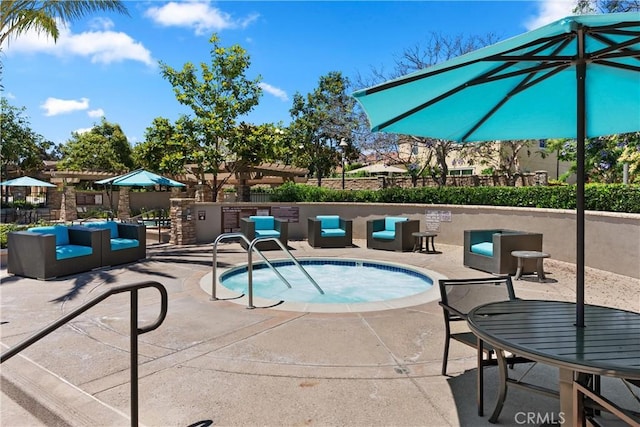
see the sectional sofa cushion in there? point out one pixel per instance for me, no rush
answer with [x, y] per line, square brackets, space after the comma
[330, 226]
[484, 248]
[64, 249]
[117, 242]
[389, 232]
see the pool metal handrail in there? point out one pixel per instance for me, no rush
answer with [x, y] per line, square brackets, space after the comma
[284, 248]
[226, 236]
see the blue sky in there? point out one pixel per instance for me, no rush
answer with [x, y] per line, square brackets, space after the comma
[107, 65]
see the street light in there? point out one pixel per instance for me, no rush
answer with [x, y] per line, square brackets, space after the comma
[343, 146]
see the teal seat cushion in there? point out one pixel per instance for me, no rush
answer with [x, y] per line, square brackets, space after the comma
[101, 225]
[332, 232]
[60, 231]
[384, 234]
[72, 251]
[390, 222]
[484, 248]
[329, 221]
[263, 222]
[267, 233]
[120, 243]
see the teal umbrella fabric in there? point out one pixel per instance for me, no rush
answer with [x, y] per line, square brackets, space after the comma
[578, 77]
[141, 178]
[26, 181]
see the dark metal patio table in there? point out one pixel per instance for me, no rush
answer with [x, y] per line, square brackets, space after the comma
[545, 331]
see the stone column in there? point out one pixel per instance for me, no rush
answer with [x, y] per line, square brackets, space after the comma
[542, 178]
[183, 222]
[124, 207]
[68, 211]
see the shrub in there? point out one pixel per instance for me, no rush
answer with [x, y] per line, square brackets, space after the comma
[598, 197]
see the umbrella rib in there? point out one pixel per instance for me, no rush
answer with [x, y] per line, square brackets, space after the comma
[548, 41]
[615, 49]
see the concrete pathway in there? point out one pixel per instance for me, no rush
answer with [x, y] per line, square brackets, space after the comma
[218, 363]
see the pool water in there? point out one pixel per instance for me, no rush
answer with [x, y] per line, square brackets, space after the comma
[343, 281]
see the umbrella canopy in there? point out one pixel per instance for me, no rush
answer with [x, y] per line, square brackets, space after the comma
[578, 77]
[378, 168]
[26, 181]
[142, 178]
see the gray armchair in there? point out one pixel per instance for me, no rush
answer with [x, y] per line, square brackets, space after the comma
[49, 252]
[264, 226]
[490, 250]
[122, 243]
[392, 234]
[329, 231]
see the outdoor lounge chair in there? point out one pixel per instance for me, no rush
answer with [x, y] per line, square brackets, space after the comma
[457, 298]
[490, 250]
[49, 252]
[264, 226]
[329, 231]
[121, 243]
[392, 233]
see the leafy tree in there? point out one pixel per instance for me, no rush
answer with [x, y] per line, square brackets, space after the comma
[606, 6]
[217, 96]
[104, 148]
[166, 148]
[21, 148]
[432, 153]
[501, 157]
[20, 16]
[321, 119]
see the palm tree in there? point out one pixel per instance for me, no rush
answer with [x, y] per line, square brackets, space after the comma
[19, 16]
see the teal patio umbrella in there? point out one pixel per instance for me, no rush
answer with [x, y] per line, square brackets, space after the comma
[140, 178]
[25, 181]
[578, 77]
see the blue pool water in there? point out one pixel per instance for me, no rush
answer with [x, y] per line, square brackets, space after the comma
[343, 281]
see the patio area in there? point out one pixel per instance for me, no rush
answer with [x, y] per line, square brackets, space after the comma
[218, 363]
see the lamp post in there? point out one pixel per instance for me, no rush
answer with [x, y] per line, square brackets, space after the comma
[343, 146]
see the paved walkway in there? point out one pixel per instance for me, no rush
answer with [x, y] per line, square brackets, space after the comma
[218, 363]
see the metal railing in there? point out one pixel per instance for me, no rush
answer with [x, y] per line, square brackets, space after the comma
[252, 248]
[135, 330]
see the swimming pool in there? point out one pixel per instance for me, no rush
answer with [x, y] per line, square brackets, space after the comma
[348, 285]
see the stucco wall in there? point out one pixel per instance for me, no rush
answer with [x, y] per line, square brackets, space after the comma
[612, 241]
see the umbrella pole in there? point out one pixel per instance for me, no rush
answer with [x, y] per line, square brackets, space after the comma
[581, 75]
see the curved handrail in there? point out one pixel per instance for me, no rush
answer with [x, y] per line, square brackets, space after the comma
[250, 266]
[135, 329]
[215, 252]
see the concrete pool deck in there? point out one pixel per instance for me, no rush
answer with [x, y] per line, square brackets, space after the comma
[218, 363]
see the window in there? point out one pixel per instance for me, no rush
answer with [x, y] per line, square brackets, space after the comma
[460, 172]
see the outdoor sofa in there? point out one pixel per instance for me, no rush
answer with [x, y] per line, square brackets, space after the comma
[392, 233]
[329, 231]
[49, 252]
[264, 226]
[490, 250]
[121, 243]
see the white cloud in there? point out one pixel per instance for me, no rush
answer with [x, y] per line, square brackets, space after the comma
[9, 95]
[101, 46]
[97, 113]
[55, 106]
[82, 130]
[277, 92]
[197, 15]
[549, 11]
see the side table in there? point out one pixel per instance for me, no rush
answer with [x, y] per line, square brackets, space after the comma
[523, 255]
[427, 236]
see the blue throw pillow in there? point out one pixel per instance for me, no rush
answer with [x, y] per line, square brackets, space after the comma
[390, 222]
[263, 222]
[329, 221]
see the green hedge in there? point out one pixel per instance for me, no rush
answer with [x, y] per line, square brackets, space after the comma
[598, 197]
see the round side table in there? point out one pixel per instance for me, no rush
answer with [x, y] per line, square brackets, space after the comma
[428, 236]
[538, 256]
